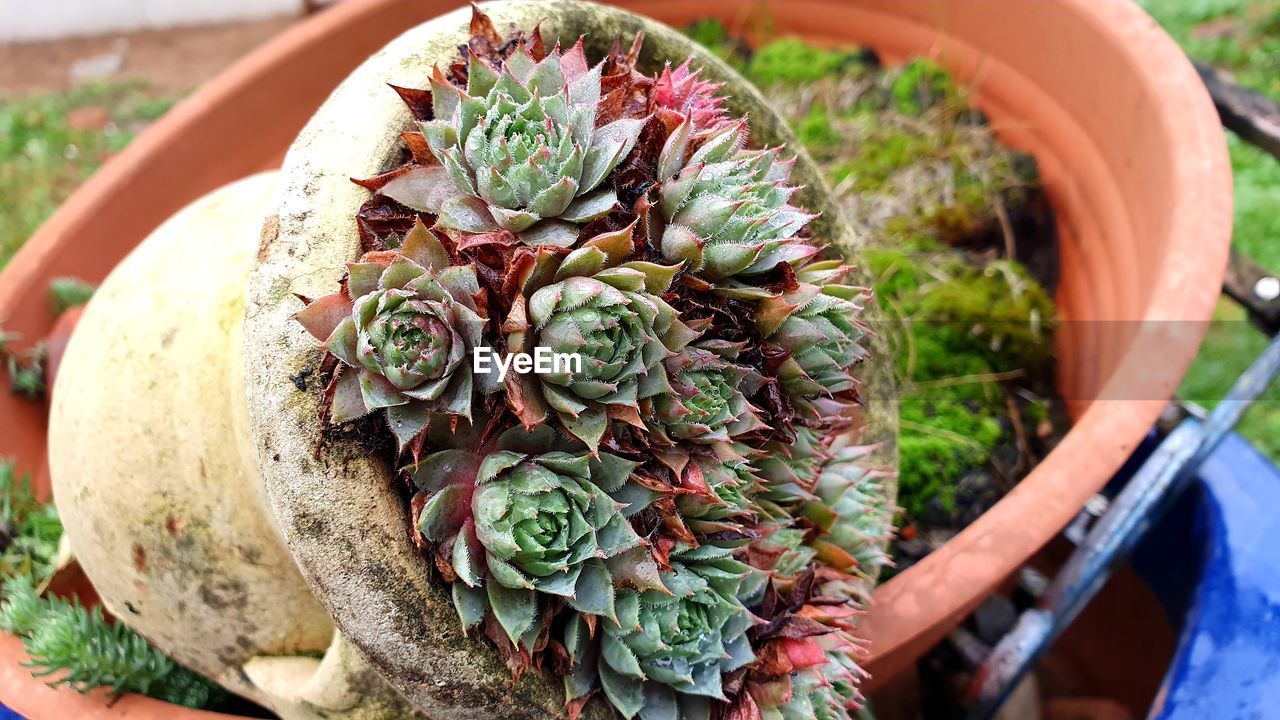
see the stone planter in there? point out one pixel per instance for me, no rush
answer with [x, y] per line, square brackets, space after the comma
[341, 514]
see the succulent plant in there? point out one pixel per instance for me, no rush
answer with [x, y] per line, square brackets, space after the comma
[818, 325]
[674, 519]
[827, 691]
[404, 326]
[808, 656]
[666, 654]
[682, 94]
[611, 315]
[518, 147]
[709, 404]
[727, 209]
[851, 509]
[524, 525]
[727, 497]
[788, 471]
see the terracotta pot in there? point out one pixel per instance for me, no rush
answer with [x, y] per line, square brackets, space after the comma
[1128, 144]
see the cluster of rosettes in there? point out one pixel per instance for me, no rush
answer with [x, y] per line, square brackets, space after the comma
[677, 523]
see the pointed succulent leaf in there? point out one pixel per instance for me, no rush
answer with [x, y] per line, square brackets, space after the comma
[516, 610]
[471, 604]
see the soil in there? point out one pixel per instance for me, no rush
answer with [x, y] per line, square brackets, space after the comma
[173, 61]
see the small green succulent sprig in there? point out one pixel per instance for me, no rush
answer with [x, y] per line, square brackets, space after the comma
[29, 529]
[27, 367]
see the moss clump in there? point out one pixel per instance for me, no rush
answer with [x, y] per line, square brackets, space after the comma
[882, 153]
[962, 329]
[816, 132]
[790, 60]
[919, 173]
[920, 85]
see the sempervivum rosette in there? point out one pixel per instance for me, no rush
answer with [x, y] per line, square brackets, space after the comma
[518, 146]
[404, 327]
[608, 313]
[828, 691]
[667, 653]
[682, 95]
[818, 325]
[710, 403]
[790, 470]
[809, 668]
[727, 209]
[856, 520]
[529, 524]
[671, 516]
[727, 502]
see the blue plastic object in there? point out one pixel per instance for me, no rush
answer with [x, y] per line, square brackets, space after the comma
[7, 714]
[1228, 660]
[1154, 488]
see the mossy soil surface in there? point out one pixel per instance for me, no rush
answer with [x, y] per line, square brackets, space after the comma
[963, 252]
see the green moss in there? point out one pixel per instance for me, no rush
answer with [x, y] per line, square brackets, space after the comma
[882, 155]
[920, 85]
[942, 439]
[790, 60]
[816, 132]
[919, 170]
[959, 327]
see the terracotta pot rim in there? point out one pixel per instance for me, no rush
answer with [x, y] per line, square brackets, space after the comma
[31, 697]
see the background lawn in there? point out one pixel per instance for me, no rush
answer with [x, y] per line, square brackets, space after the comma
[50, 143]
[1243, 37]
